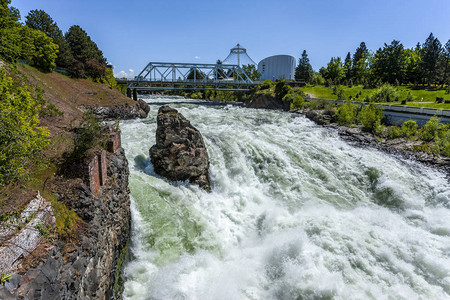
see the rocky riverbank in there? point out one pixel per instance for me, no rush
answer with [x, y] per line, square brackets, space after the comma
[90, 267]
[119, 111]
[399, 147]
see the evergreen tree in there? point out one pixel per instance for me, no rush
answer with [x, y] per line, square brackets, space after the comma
[348, 66]
[389, 63]
[81, 45]
[445, 64]
[304, 71]
[251, 71]
[360, 63]
[413, 72]
[335, 70]
[40, 20]
[431, 51]
[84, 50]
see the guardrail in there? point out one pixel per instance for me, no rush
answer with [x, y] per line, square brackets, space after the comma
[397, 114]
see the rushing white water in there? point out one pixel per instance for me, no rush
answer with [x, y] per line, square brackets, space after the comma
[294, 213]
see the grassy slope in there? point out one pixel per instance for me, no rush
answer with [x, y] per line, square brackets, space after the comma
[428, 95]
[66, 94]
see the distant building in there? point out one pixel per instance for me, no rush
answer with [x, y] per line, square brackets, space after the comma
[277, 67]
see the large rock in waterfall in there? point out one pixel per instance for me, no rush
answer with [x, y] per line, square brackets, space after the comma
[180, 152]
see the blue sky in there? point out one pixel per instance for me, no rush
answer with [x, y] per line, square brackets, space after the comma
[132, 33]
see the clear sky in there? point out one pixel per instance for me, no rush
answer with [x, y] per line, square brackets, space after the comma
[132, 33]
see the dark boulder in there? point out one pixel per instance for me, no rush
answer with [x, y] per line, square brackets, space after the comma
[180, 151]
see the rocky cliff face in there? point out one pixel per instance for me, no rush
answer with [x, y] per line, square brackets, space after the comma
[180, 152]
[86, 270]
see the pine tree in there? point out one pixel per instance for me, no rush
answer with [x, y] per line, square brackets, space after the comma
[304, 71]
[348, 66]
[359, 62]
[88, 60]
[335, 70]
[431, 51]
[445, 64]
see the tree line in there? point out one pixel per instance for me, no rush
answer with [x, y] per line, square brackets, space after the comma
[41, 43]
[426, 64]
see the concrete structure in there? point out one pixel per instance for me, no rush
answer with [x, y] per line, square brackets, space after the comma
[277, 67]
[397, 114]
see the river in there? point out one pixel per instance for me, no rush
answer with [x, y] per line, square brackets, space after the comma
[294, 213]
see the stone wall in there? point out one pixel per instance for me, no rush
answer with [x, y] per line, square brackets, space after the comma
[86, 269]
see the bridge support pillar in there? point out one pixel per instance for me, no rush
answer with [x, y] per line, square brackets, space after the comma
[135, 95]
[129, 93]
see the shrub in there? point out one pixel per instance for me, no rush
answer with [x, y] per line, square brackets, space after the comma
[282, 89]
[444, 144]
[409, 98]
[394, 132]
[431, 130]
[346, 114]
[267, 84]
[296, 100]
[197, 95]
[385, 93]
[409, 129]
[317, 79]
[370, 117]
[21, 139]
[340, 94]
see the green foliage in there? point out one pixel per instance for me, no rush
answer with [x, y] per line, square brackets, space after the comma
[5, 277]
[335, 70]
[340, 94]
[88, 60]
[196, 95]
[10, 39]
[282, 89]
[41, 51]
[409, 129]
[267, 84]
[21, 139]
[317, 79]
[295, 99]
[394, 132]
[409, 98]
[431, 50]
[88, 135]
[50, 110]
[346, 114]
[443, 145]
[251, 71]
[386, 93]
[196, 74]
[431, 130]
[304, 71]
[370, 117]
[40, 20]
[389, 63]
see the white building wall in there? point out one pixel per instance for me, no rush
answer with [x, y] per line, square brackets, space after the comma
[277, 67]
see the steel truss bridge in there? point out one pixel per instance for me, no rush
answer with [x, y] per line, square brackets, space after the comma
[185, 76]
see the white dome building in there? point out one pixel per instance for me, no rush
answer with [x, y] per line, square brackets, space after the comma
[277, 67]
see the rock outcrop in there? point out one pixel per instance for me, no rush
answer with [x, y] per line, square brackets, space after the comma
[89, 269]
[180, 152]
[267, 102]
[122, 111]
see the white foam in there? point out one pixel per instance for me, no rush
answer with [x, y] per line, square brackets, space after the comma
[294, 212]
